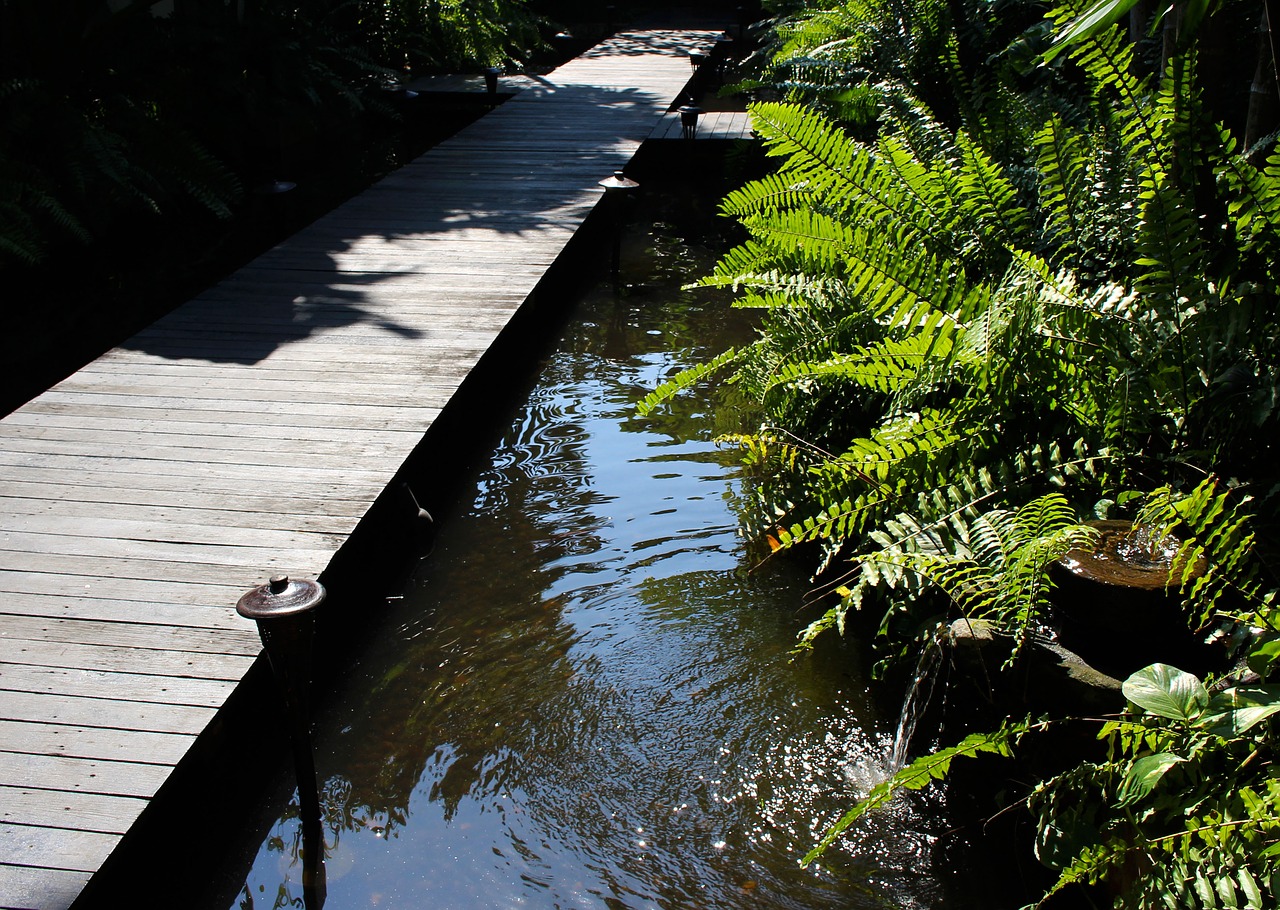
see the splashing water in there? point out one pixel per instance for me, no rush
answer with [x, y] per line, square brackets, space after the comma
[915, 704]
[1145, 548]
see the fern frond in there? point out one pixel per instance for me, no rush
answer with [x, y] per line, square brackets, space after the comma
[1107, 57]
[1254, 201]
[887, 367]
[884, 191]
[684, 380]
[987, 197]
[1060, 157]
[1215, 566]
[919, 774]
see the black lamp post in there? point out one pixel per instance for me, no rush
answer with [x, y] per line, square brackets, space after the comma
[617, 189]
[283, 610]
[689, 115]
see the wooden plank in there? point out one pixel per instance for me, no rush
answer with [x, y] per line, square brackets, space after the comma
[263, 512]
[90, 445]
[19, 552]
[75, 811]
[207, 693]
[234, 413]
[239, 491]
[124, 660]
[95, 743]
[85, 521]
[63, 709]
[221, 386]
[298, 410]
[55, 848]
[97, 573]
[213, 561]
[55, 424]
[25, 888]
[64, 773]
[193, 595]
[214, 611]
[255, 475]
[138, 634]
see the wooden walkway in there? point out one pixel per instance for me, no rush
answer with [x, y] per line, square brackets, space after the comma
[711, 125]
[247, 433]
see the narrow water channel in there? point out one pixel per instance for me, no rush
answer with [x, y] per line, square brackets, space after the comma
[585, 695]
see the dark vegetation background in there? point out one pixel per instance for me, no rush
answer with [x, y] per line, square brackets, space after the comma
[139, 139]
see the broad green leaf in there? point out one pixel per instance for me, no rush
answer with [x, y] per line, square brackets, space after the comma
[1144, 774]
[1233, 712]
[1102, 14]
[1264, 656]
[1226, 889]
[1167, 692]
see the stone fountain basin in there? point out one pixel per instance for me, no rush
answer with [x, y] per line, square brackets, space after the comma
[1118, 605]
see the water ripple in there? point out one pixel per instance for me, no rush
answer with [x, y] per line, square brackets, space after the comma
[592, 701]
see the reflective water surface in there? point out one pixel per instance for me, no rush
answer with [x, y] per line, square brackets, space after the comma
[585, 697]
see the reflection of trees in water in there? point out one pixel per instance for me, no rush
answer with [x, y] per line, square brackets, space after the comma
[283, 898]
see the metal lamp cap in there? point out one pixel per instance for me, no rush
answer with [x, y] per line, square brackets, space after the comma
[618, 182]
[280, 597]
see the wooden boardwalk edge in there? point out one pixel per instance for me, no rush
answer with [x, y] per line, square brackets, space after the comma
[248, 433]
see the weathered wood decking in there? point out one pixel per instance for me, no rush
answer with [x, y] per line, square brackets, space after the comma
[247, 433]
[711, 125]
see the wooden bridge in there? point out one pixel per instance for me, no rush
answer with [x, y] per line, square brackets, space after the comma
[248, 432]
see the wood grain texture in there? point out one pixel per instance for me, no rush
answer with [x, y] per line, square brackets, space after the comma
[249, 431]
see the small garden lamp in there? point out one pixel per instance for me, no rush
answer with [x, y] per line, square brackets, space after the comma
[284, 612]
[689, 115]
[617, 188]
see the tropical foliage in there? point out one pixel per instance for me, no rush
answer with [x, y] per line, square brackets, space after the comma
[1010, 284]
[113, 109]
[447, 34]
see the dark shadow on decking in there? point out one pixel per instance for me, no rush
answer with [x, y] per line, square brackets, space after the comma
[474, 220]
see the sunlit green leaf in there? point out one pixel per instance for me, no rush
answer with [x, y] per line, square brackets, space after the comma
[1167, 692]
[1249, 885]
[1204, 889]
[1264, 656]
[1144, 774]
[1226, 889]
[1233, 712]
[1102, 14]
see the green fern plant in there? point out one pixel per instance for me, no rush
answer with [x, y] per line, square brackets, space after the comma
[894, 283]
[1031, 291]
[1184, 809]
[995, 566]
[1183, 812]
